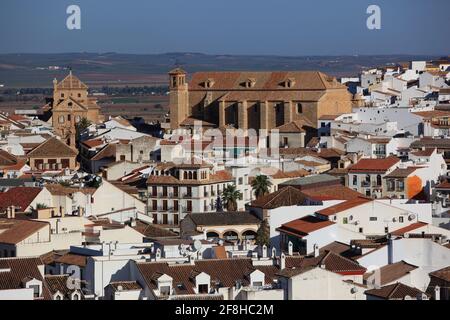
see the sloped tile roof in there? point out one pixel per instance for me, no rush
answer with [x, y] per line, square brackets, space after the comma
[411, 227]
[443, 274]
[396, 291]
[71, 82]
[20, 197]
[343, 206]
[331, 261]
[52, 147]
[393, 272]
[374, 165]
[304, 226]
[288, 196]
[222, 271]
[12, 231]
[21, 269]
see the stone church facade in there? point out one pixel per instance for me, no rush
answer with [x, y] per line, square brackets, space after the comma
[70, 104]
[258, 100]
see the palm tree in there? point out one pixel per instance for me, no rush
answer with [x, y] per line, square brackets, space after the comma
[261, 185]
[230, 196]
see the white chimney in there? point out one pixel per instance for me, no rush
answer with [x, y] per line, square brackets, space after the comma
[274, 252]
[264, 251]
[290, 248]
[158, 254]
[282, 261]
[316, 250]
[13, 212]
[437, 293]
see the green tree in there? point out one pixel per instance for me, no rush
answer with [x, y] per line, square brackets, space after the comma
[82, 125]
[261, 185]
[230, 196]
[41, 206]
[263, 234]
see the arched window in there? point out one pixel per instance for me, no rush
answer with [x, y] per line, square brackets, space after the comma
[212, 235]
[190, 174]
[230, 235]
[249, 235]
[61, 119]
[185, 175]
[195, 175]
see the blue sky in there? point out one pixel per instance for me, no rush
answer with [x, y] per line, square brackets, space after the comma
[279, 27]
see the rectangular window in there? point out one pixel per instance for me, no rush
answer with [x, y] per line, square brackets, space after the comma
[155, 218]
[175, 219]
[164, 290]
[154, 191]
[154, 205]
[189, 191]
[400, 219]
[202, 288]
[345, 220]
[373, 219]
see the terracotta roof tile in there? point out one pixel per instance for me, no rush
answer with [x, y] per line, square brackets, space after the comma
[352, 203]
[52, 147]
[20, 197]
[396, 291]
[331, 261]
[223, 272]
[13, 231]
[20, 269]
[288, 196]
[374, 165]
[393, 272]
[411, 227]
[304, 226]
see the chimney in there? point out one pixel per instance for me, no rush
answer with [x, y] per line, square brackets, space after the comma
[390, 248]
[437, 293]
[316, 250]
[13, 212]
[274, 252]
[8, 212]
[264, 251]
[158, 255]
[290, 248]
[282, 261]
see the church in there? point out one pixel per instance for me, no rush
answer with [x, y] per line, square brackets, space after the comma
[257, 100]
[70, 104]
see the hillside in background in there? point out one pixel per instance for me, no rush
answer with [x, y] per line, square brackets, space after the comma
[113, 69]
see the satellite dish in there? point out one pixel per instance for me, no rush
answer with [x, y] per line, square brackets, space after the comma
[197, 245]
